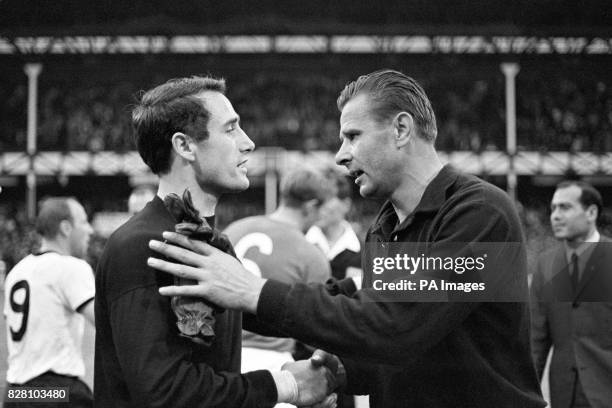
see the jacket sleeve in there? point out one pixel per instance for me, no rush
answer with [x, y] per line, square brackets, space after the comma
[371, 328]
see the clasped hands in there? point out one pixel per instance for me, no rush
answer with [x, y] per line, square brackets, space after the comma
[316, 379]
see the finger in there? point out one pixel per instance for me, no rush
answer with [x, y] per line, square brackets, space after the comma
[195, 245]
[318, 358]
[182, 255]
[180, 270]
[329, 402]
[186, 290]
[321, 357]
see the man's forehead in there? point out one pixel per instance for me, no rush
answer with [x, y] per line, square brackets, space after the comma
[76, 209]
[217, 104]
[357, 106]
[567, 194]
[356, 112]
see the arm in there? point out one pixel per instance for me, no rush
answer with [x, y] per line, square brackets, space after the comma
[362, 325]
[87, 310]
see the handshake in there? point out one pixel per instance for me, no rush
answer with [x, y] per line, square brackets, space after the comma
[317, 378]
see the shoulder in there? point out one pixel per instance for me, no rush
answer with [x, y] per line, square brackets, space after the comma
[70, 263]
[472, 190]
[245, 225]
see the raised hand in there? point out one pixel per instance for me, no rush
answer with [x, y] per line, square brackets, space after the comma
[220, 277]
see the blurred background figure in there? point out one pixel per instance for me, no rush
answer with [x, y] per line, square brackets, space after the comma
[139, 197]
[274, 246]
[47, 294]
[334, 235]
[572, 290]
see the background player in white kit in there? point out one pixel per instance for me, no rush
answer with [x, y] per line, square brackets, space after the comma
[46, 295]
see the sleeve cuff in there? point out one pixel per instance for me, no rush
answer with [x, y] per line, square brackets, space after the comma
[272, 301]
[264, 382]
[286, 386]
[356, 382]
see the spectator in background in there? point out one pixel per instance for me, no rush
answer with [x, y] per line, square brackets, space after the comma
[46, 295]
[572, 295]
[274, 246]
[335, 235]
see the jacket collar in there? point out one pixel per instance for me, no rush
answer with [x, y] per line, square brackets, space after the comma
[433, 198]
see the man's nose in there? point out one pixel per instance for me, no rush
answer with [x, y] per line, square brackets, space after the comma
[343, 157]
[246, 144]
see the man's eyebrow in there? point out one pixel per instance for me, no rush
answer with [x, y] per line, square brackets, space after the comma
[235, 119]
[349, 132]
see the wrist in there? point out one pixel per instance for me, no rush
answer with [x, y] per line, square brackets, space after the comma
[286, 386]
[251, 299]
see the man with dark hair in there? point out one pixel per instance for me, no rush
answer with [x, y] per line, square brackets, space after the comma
[189, 135]
[572, 302]
[273, 246]
[47, 294]
[402, 353]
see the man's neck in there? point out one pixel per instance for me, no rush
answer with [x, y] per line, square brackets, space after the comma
[333, 232]
[203, 201]
[576, 242]
[288, 215]
[409, 194]
[53, 246]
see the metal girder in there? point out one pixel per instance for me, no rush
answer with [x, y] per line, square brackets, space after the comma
[300, 44]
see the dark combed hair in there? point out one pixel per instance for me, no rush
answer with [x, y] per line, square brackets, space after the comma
[167, 109]
[588, 196]
[52, 212]
[393, 92]
[299, 186]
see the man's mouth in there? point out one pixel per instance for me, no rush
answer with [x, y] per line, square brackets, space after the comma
[356, 174]
[242, 164]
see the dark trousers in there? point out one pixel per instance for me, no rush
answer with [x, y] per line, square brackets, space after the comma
[80, 395]
[579, 399]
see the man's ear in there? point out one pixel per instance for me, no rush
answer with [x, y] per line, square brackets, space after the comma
[404, 128]
[183, 146]
[309, 206]
[65, 228]
[592, 212]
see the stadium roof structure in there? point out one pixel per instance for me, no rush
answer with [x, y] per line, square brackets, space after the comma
[305, 44]
[58, 18]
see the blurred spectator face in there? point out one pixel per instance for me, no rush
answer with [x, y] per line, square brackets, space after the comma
[311, 211]
[333, 212]
[221, 158]
[368, 149]
[570, 220]
[81, 230]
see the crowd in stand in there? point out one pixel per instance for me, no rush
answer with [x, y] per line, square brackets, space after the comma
[300, 113]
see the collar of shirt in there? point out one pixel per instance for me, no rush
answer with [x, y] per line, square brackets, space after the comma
[584, 250]
[386, 223]
[348, 240]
